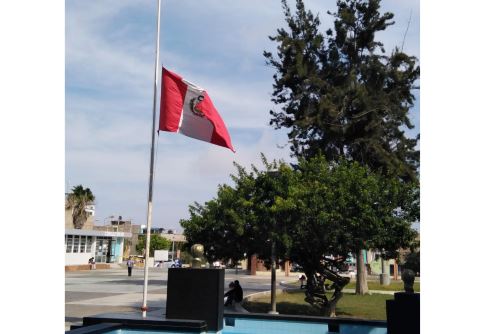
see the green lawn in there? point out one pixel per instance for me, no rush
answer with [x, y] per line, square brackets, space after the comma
[375, 285]
[365, 307]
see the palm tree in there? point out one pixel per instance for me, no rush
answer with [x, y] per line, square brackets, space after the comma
[77, 201]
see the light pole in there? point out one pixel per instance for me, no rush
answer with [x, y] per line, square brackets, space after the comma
[274, 174]
[273, 278]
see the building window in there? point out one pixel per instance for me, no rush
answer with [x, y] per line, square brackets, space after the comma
[76, 242]
[69, 243]
[83, 242]
[89, 244]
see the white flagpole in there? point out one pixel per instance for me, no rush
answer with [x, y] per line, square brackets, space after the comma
[144, 307]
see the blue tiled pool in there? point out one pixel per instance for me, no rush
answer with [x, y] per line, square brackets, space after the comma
[142, 331]
[249, 325]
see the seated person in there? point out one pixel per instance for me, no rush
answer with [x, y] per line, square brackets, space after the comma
[238, 292]
[92, 263]
[230, 295]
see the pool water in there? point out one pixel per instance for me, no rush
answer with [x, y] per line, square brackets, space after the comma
[249, 326]
[143, 331]
[261, 326]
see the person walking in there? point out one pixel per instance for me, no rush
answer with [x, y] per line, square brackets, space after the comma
[130, 265]
[302, 280]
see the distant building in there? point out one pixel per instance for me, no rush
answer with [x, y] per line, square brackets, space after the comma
[103, 244]
[124, 226]
[177, 241]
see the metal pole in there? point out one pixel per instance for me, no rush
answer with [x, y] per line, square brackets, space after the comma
[274, 174]
[144, 307]
[273, 278]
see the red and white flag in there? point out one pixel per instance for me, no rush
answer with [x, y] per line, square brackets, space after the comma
[187, 109]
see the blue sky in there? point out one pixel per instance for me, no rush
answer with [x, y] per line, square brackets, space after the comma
[216, 44]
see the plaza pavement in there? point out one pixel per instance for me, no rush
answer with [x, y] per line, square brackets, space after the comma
[92, 292]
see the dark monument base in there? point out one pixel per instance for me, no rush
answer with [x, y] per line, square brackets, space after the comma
[403, 313]
[196, 294]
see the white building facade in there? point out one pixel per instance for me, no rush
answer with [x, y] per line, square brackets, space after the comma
[103, 246]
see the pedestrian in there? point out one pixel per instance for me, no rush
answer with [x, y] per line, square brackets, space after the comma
[302, 279]
[130, 265]
[92, 263]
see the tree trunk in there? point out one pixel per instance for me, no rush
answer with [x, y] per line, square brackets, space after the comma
[79, 221]
[395, 269]
[361, 282]
[332, 305]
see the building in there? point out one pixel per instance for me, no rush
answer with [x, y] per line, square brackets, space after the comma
[119, 225]
[177, 241]
[105, 246]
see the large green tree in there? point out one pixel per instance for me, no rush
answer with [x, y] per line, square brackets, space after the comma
[250, 218]
[219, 225]
[343, 208]
[315, 209]
[243, 219]
[340, 94]
[78, 201]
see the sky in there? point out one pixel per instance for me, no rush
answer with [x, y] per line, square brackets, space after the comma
[92, 126]
[216, 44]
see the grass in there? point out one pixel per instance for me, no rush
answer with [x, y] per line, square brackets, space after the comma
[375, 285]
[370, 307]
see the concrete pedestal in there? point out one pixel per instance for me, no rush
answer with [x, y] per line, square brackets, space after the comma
[196, 294]
[403, 313]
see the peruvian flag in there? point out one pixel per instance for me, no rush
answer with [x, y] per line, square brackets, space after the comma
[187, 109]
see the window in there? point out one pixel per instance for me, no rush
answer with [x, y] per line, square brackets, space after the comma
[69, 243]
[83, 241]
[89, 244]
[76, 242]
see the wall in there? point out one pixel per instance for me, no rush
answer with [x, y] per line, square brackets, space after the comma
[376, 266]
[77, 258]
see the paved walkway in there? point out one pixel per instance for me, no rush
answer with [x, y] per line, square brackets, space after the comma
[111, 290]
